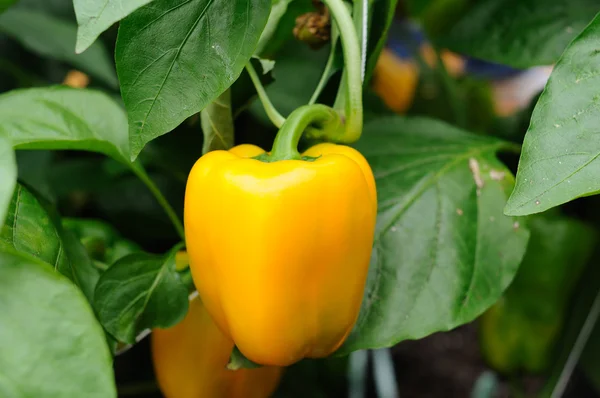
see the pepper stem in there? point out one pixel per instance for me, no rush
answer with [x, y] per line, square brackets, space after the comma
[351, 81]
[319, 116]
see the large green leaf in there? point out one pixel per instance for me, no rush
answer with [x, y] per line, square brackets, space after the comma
[94, 17]
[53, 37]
[443, 250]
[520, 33]
[30, 229]
[175, 57]
[8, 175]
[217, 124]
[140, 291]
[560, 158]
[64, 118]
[52, 346]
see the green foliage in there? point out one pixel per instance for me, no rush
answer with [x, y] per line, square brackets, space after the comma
[64, 118]
[140, 291]
[53, 37]
[94, 17]
[205, 45]
[8, 175]
[52, 345]
[520, 331]
[33, 228]
[520, 33]
[443, 251]
[217, 124]
[559, 161]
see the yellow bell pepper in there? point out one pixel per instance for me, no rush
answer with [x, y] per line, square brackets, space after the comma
[279, 250]
[190, 362]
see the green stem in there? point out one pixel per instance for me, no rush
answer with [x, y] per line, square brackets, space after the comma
[352, 80]
[139, 171]
[285, 147]
[272, 113]
[329, 68]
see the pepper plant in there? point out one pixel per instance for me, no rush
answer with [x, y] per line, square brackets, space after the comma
[342, 227]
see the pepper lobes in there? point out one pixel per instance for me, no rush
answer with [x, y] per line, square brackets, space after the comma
[279, 251]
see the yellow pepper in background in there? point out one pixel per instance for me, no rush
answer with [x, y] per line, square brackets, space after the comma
[279, 251]
[190, 362]
[395, 81]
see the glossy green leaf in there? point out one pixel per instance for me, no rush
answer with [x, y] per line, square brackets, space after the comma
[8, 175]
[519, 33]
[53, 37]
[64, 118]
[52, 345]
[217, 124]
[176, 57]
[30, 229]
[94, 17]
[443, 250]
[560, 157]
[140, 291]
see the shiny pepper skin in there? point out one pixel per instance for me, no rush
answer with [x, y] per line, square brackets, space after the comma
[190, 362]
[279, 251]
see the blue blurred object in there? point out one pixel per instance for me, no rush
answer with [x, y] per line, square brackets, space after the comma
[405, 37]
[489, 70]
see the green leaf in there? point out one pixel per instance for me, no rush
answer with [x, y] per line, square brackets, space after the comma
[52, 344]
[94, 17]
[30, 229]
[34, 169]
[175, 57]
[8, 175]
[520, 331]
[53, 37]
[4, 4]
[560, 157]
[140, 291]
[217, 124]
[64, 118]
[101, 240]
[443, 250]
[519, 33]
